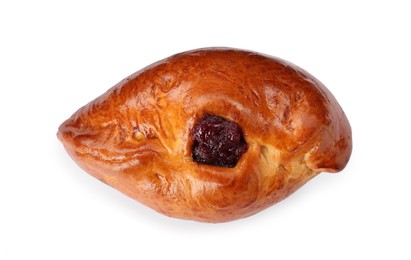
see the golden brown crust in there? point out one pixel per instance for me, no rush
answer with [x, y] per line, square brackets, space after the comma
[136, 136]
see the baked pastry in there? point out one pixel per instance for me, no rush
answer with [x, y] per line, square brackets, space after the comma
[211, 135]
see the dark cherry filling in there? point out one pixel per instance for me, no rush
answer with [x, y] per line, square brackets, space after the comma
[217, 141]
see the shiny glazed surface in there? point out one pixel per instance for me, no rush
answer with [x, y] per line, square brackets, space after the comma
[136, 137]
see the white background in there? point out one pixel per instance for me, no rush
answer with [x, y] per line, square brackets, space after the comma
[55, 57]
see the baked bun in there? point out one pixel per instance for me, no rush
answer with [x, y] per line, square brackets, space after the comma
[211, 135]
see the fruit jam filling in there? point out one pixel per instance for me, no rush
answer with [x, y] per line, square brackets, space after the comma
[217, 141]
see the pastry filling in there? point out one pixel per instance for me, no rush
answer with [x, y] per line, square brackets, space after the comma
[217, 141]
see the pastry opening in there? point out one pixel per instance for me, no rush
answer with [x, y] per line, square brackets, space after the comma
[217, 141]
